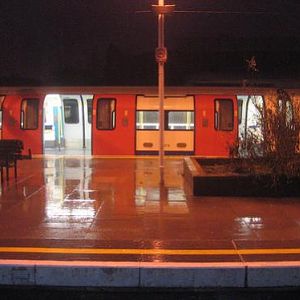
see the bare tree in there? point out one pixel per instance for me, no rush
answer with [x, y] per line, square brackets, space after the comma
[274, 148]
[280, 121]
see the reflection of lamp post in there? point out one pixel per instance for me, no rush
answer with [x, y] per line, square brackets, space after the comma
[161, 57]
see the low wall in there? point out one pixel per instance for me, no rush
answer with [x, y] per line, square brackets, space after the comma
[199, 182]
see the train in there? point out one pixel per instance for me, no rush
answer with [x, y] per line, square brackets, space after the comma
[200, 121]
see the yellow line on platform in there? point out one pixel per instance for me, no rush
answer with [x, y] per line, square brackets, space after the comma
[97, 251]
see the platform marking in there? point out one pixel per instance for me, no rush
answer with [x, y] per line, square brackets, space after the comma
[179, 252]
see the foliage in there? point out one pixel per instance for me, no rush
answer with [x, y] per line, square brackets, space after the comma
[273, 148]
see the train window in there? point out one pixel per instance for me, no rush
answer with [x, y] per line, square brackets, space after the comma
[1, 109]
[289, 112]
[223, 114]
[147, 120]
[29, 113]
[179, 120]
[89, 109]
[255, 108]
[106, 114]
[71, 111]
[286, 108]
[240, 110]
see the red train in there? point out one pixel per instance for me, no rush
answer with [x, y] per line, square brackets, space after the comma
[124, 121]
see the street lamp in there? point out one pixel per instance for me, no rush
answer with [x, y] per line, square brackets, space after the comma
[161, 58]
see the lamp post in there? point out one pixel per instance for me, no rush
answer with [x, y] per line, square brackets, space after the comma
[161, 58]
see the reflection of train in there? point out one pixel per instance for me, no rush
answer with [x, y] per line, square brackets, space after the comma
[124, 121]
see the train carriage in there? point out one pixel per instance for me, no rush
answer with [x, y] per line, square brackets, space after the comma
[124, 120]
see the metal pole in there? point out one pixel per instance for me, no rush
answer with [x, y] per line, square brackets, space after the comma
[161, 92]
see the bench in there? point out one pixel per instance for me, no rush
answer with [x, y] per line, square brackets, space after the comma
[10, 153]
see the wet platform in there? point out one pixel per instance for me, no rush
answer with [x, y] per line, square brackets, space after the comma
[107, 222]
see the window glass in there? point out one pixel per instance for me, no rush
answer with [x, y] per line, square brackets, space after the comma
[240, 107]
[289, 112]
[224, 114]
[180, 120]
[71, 111]
[285, 107]
[106, 114]
[147, 120]
[89, 109]
[1, 101]
[254, 112]
[29, 113]
[1, 104]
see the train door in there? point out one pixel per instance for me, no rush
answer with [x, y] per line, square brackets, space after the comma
[217, 124]
[2, 97]
[67, 124]
[23, 119]
[73, 121]
[77, 121]
[178, 129]
[113, 125]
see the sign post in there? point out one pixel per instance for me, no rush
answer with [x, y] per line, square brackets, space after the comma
[161, 58]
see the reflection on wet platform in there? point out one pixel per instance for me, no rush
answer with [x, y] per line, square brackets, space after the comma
[73, 202]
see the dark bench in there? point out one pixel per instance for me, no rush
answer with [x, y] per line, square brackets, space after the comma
[10, 153]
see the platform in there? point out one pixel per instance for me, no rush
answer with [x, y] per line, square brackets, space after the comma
[107, 222]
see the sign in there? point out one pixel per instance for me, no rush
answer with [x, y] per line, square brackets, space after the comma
[161, 55]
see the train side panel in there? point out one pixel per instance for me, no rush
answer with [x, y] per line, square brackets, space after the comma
[2, 98]
[23, 119]
[216, 124]
[113, 131]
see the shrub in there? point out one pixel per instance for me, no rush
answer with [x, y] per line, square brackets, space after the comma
[275, 146]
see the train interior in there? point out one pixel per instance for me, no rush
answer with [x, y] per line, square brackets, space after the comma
[249, 115]
[67, 124]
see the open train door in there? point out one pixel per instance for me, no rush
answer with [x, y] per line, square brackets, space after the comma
[53, 124]
[23, 120]
[216, 125]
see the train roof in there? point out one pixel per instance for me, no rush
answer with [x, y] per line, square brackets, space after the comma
[140, 90]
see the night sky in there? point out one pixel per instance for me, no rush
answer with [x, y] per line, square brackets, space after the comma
[111, 42]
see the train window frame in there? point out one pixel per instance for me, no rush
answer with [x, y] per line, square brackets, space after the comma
[146, 110]
[113, 114]
[217, 114]
[36, 112]
[74, 100]
[2, 98]
[167, 127]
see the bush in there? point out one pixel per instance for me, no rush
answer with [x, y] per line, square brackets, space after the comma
[275, 147]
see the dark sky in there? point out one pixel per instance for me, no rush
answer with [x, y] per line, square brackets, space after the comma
[66, 41]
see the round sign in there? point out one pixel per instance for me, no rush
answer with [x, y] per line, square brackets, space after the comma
[161, 55]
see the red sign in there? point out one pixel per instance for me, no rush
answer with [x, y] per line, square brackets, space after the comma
[161, 55]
